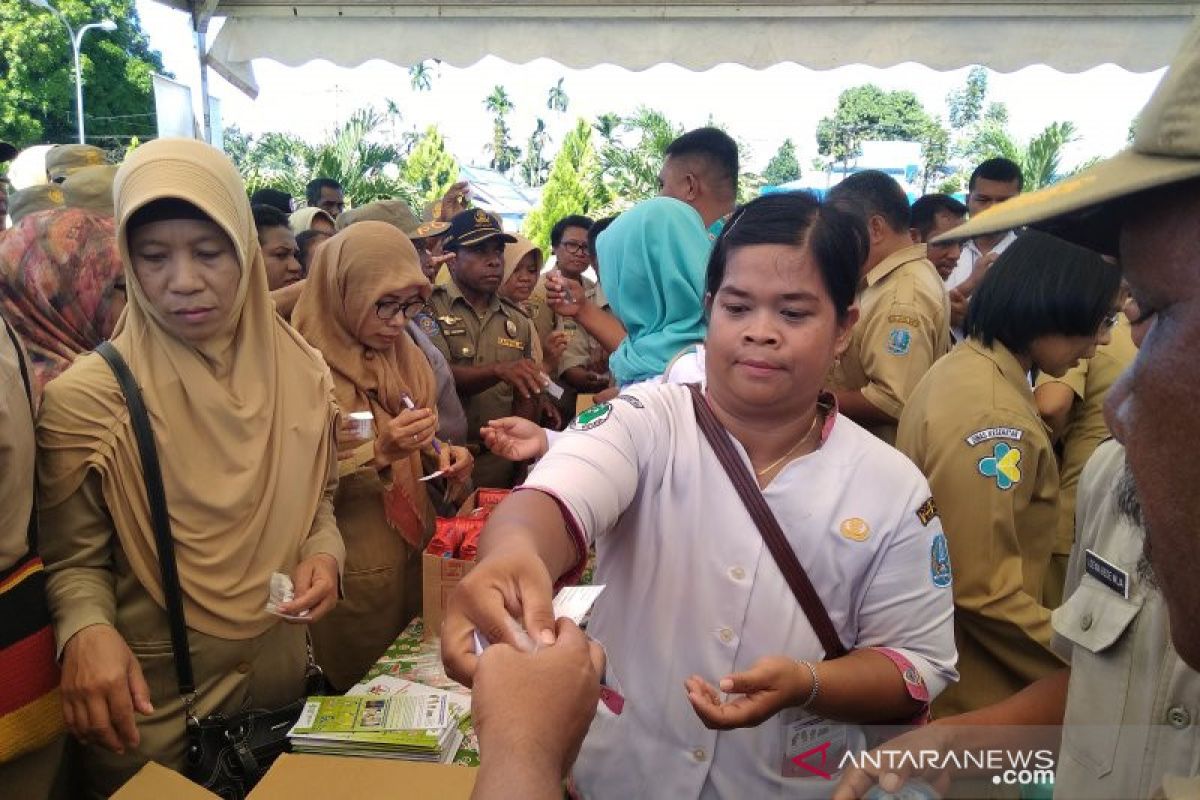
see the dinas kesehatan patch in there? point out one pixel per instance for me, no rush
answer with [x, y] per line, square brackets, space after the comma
[592, 418]
[1003, 465]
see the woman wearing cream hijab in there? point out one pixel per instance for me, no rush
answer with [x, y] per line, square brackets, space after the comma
[365, 284]
[243, 416]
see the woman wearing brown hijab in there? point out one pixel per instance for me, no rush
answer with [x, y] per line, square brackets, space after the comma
[243, 415]
[365, 283]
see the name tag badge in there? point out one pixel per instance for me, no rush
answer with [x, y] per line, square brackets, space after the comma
[513, 343]
[1107, 573]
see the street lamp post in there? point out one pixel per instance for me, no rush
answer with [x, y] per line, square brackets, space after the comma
[76, 40]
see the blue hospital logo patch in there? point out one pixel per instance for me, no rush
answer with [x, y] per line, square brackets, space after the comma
[939, 562]
[1003, 465]
[899, 342]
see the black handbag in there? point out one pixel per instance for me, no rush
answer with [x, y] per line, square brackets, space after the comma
[227, 755]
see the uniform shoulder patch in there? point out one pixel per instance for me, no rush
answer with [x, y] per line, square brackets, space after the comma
[927, 512]
[427, 324]
[633, 401]
[939, 562]
[899, 341]
[1003, 466]
[593, 417]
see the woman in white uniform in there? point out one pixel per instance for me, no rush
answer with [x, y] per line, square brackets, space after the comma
[693, 594]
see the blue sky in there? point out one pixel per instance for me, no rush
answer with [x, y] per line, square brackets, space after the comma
[760, 107]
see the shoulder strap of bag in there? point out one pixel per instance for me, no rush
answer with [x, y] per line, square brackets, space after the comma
[31, 533]
[768, 526]
[157, 498]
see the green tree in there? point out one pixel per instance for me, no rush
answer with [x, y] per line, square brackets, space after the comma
[965, 105]
[367, 169]
[420, 77]
[607, 126]
[629, 169]
[504, 154]
[430, 168]
[1039, 159]
[534, 166]
[557, 99]
[935, 154]
[868, 113]
[570, 189]
[37, 83]
[783, 166]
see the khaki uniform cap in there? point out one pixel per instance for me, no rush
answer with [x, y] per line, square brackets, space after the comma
[395, 213]
[34, 199]
[91, 188]
[1166, 150]
[64, 159]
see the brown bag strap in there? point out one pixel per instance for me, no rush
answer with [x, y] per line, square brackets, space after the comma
[768, 526]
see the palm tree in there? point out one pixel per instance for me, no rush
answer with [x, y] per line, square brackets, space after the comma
[1039, 158]
[420, 77]
[606, 125]
[504, 154]
[498, 102]
[535, 167]
[557, 99]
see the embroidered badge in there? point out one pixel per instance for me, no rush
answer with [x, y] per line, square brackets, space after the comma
[427, 324]
[855, 529]
[594, 417]
[511, 327]
[927, 512]
[994, 433]
[633, 401]
[899, 342]
[1003, 465]
[449, 319]
[513, 343]
[905, 319]
[939, 562]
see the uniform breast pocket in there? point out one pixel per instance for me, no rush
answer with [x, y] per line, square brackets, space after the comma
[460, 346]
[1099, 623]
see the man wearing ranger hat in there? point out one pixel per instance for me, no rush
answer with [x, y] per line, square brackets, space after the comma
[33, 199]
[91, 188]
[64, 159]
[1130, 703]
[487, 340]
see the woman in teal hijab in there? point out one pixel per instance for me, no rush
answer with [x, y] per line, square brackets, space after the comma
[652, 266]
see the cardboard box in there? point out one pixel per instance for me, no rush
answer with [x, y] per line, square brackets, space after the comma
[440, 576]
[298, 777]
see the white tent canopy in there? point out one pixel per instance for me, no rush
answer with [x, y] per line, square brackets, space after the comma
[1069, 35]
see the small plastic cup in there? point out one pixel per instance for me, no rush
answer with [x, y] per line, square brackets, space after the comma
[364, 424]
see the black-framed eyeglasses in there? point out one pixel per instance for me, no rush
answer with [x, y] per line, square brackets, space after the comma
[1110, 320]
[574, 248]
[388, 309]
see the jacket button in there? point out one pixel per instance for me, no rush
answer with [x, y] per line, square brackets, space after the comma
[1085, 623]
[243, 667]
[1179, 718]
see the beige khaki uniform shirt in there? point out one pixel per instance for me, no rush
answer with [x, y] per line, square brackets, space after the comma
[1086, 428]
[903, 327]
[469, 339]
[16, 454]
[972, 428]
[1133, 705]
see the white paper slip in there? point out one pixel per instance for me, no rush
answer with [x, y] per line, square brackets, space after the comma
[573, 602]
[433, 475]
[554, 390]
